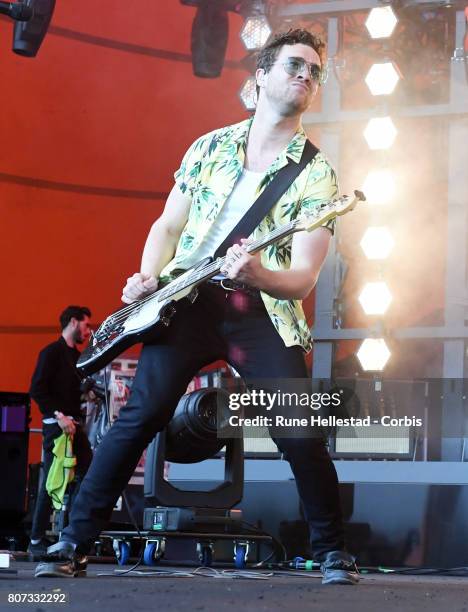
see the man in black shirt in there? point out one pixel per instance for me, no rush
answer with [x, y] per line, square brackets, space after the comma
[55, 386]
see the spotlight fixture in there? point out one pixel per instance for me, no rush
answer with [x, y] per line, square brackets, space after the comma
[194, 432]
[377, 242]
[380, 133]
[16, 11]
[373, 354]
[28, 35]
[255, 32]
[381, 22]
[248, 93]
[382, 78]
[256, 29]
[210, 31]
[375, 298]
[379, 186]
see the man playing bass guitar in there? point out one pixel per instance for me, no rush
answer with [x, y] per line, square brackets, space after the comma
[251, 315]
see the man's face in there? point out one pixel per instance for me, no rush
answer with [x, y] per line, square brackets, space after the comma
[81, 330]
[290, 94]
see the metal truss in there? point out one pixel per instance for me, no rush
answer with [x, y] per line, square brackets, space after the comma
[454, 333]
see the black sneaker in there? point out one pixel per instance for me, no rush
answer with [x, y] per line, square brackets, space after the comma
[339, 567]
[62, 561]
[39, 550]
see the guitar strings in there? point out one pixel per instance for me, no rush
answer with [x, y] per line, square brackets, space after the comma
[209, 269]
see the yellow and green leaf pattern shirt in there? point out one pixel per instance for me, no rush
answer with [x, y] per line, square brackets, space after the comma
[208, 173]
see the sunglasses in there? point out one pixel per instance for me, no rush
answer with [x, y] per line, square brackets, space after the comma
[295, 65]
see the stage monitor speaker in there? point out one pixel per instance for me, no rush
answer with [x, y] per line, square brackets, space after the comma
[259, 445]
[14, 444]
[387, 410]
[13, 475]
[373, 442]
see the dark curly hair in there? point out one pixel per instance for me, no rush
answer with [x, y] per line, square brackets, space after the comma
[73, 312]
[269, 52]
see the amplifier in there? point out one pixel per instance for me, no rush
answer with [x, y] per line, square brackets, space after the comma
[14, 444]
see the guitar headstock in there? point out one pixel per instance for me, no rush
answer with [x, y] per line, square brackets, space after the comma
[328, 210]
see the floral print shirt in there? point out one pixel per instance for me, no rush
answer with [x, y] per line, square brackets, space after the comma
[208, 173]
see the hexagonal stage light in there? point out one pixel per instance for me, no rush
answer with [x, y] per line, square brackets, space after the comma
[248, 93]
[380, 133]
[377, 242]
[373, 354]
[379, 186]
[255, 32]
[382, 78]
[375, 298]
[381, 22]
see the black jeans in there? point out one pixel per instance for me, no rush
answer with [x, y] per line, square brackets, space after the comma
[233, 326]
[84, 455]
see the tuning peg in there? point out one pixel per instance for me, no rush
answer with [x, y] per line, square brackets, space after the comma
[360, 195]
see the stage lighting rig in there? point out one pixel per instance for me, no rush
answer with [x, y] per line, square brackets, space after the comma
[377, 242]
[210, 30]
[193, 434]
[379, 186]
[375, 298]
[373, 354]
[17, 11]
[248, 93]
[380, 133]
[382, 78]
[381, 22]
[420, 49]
[28, 35]
[256, 29]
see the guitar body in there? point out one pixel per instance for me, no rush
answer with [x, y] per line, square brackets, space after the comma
[122, 330]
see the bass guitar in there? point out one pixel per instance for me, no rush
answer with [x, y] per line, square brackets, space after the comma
[132, 323]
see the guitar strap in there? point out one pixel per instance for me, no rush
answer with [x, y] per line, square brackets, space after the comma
[267, 199]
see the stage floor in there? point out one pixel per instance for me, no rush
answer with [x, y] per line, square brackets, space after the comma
[202, 593]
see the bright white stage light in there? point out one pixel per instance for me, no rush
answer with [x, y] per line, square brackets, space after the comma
[381, 22]
[373, 354]
[255, 32]
[248, 93]
[375, 298]
[377, 242]
[379, 186]
[380, 133]
[382, 79]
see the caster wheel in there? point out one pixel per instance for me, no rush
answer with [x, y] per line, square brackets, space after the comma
[151, 555]
[124, 553]
[239, 557]
[206, 556]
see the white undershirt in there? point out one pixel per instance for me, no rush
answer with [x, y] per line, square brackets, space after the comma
[235, 207]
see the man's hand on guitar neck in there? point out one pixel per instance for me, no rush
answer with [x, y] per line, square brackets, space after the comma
[239, 265]
[138, 286]
[308, 253]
